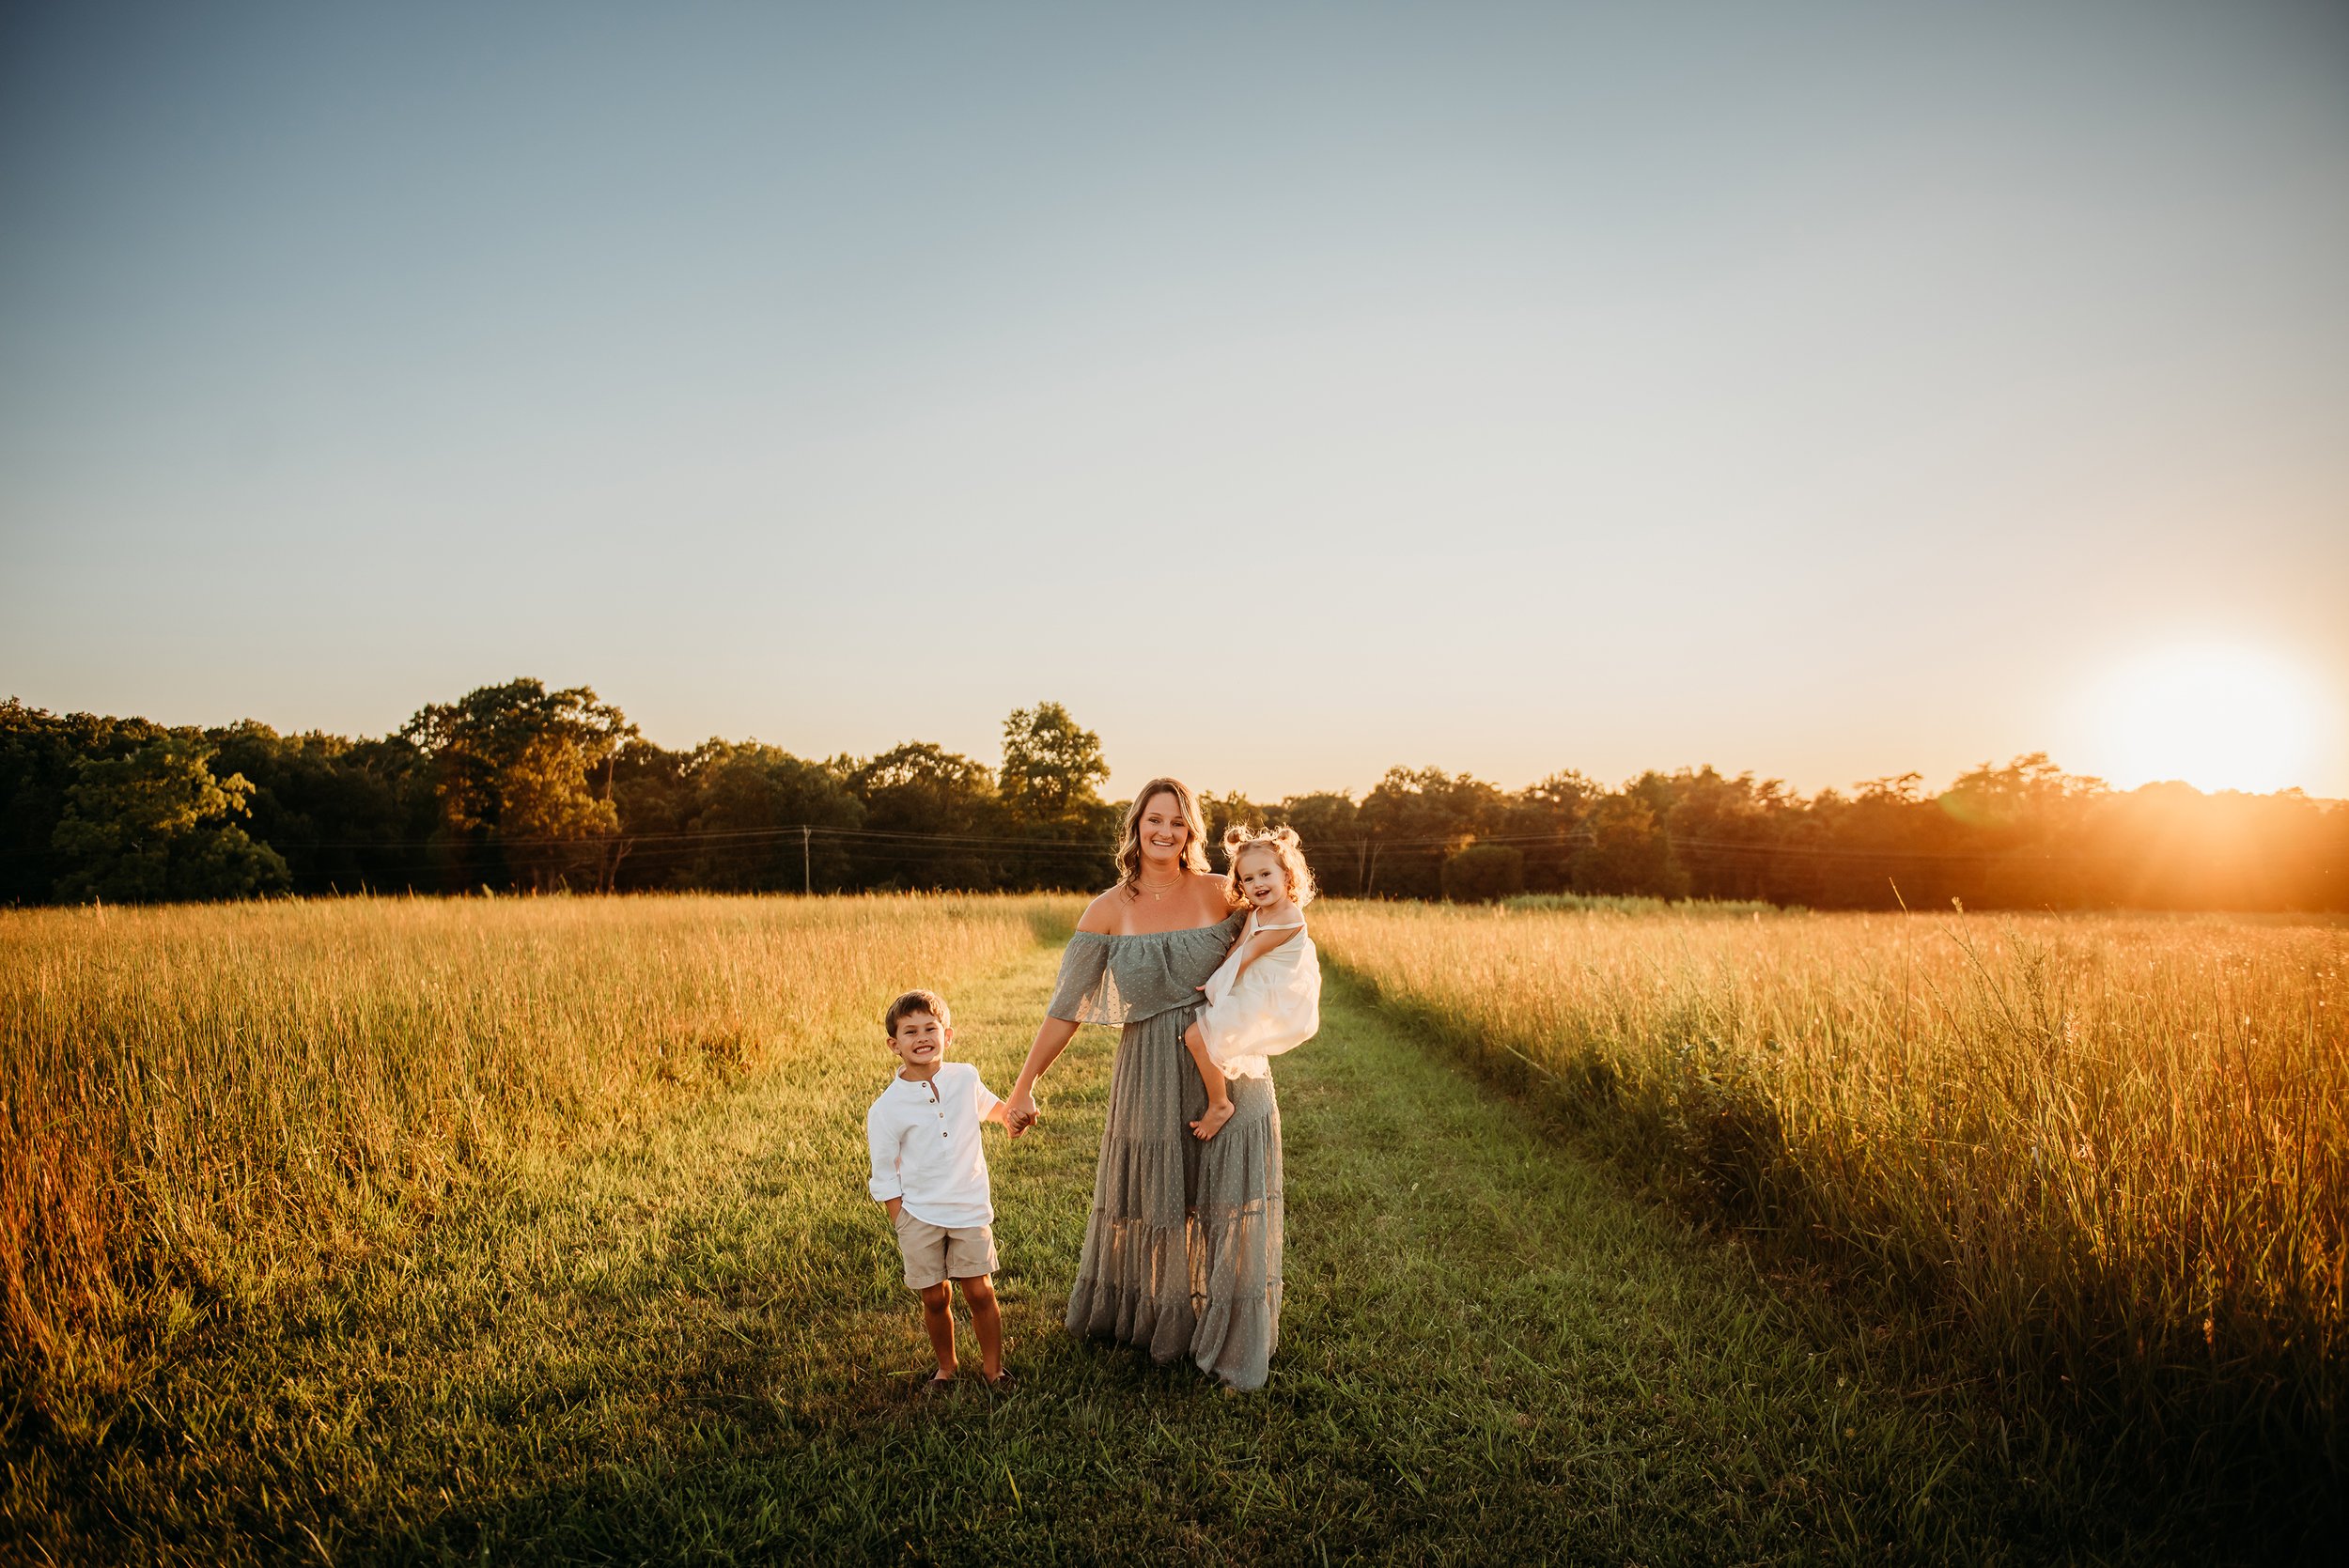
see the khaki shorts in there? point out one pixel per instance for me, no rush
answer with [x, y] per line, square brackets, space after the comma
[933, 1252]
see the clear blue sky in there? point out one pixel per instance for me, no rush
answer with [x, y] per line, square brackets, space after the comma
[1823, 389]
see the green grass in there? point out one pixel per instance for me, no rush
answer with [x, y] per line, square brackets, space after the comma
[207, 1108]
[2102, 1162]
[691, 1343]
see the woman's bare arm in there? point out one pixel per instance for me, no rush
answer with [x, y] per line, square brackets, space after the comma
[1051, 1037]
[1103, 917]
[1054, 1035]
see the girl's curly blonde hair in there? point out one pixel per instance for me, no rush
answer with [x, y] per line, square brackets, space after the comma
[1282, 841]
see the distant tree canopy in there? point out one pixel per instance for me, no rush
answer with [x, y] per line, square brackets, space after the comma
[1051, 767]
[524, 778]
[517, 787]
[154, 825]
[1484, 872]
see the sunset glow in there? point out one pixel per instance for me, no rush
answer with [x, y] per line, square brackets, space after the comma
[2215, 716]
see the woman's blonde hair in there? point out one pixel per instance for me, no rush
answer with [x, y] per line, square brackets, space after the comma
[1195, 857]
[1282, 841]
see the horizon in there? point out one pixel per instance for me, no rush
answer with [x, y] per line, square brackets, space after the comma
[990, 754]
[1279, 391]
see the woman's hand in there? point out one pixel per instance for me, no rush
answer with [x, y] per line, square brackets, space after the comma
[1019, 1112]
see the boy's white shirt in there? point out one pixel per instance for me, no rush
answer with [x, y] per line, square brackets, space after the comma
[926, 1149]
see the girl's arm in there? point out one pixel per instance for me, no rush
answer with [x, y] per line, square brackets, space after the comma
[1262, 944]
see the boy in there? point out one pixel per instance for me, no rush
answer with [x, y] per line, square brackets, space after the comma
[930, 1173]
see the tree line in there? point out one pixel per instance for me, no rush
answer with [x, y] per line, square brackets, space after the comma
[517, 787]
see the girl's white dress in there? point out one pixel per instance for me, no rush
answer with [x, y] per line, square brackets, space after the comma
[1273, 1007]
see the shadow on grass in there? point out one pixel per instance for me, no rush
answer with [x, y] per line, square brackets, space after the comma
[1725, 1170]
[697, 1349]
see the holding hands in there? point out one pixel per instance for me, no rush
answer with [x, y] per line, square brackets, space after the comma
[1019, 1112]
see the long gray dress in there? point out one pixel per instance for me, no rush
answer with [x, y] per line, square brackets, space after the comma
[1182, 1250]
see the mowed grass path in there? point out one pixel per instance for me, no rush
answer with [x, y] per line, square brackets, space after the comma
[693, 1345]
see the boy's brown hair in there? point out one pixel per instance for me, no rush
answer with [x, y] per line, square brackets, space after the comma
[916, 1002]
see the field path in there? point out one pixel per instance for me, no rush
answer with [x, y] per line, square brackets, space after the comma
[693, 1346]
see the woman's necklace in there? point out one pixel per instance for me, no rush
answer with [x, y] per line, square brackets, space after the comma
[1159, 892]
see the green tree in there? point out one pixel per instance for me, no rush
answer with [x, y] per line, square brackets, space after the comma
[327, 804]
[2017, 821]
[939, 804]
[41, 756]
[655, 801]
[1050, 786]
[1545, 821]
[1332, 838]
[1227, 810]
[1725, 832]
[1053, 766]
[154, 825]
[556, 830]
[523, 777]
[1628, 852]
[2028, 795]
[1416, 819]
[751, 803]
[1484, 872]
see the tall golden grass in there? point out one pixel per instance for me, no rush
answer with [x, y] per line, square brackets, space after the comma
[2113, 1152]
[198, 1105]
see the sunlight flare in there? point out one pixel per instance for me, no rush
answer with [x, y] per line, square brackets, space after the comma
[2218, 716]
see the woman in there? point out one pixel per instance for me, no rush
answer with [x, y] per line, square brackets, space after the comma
[1182, 1252]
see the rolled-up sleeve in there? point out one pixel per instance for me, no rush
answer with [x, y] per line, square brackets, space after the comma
[882, 1134]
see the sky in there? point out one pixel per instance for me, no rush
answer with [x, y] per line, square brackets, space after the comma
[1293, 390]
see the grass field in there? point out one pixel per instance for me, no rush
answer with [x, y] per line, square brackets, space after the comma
[2108, 1158]
[201, 1108]
[648, 1314]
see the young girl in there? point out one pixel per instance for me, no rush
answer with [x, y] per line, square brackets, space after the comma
[1266, 998]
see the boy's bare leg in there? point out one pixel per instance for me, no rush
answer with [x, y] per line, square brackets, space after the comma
[987, 1319]
[938, 1316]
[1219, 1096]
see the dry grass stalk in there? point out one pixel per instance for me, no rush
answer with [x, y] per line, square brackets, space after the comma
[2112, 1150]
[200, 1105]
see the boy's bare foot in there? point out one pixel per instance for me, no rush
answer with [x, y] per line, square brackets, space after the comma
[1212, 1122]
[1002, 1382]
[936, 1383]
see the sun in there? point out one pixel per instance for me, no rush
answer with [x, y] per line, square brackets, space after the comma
[2217, 716]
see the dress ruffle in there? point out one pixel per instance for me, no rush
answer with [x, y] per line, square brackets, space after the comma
[1122, 980]
[1182, 1248]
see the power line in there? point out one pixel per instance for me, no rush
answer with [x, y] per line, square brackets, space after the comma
[907, 844]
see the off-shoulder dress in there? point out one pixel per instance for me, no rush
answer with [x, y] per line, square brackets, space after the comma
[1182, 1250]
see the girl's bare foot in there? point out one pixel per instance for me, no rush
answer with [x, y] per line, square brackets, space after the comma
[1212, 1122]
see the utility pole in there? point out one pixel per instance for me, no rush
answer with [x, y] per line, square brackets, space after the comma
[807, 875]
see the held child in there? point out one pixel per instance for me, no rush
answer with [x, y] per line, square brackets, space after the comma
[1266, 998]
[930, 1173]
